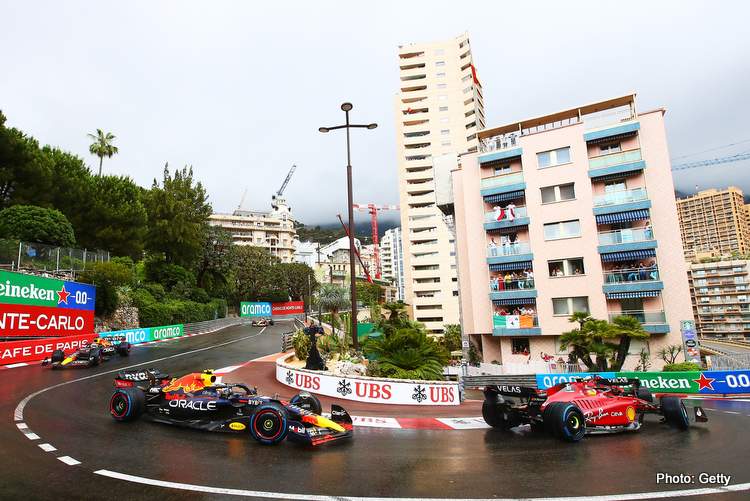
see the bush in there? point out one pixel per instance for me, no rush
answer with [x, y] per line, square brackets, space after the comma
[141, 297]
[408, 353]
[152, 313]
[301, 344]
[682, 367]
[168, 275]
[36, 224]
[328, 344]
[373, 369]
[199, 295]
[107, 277]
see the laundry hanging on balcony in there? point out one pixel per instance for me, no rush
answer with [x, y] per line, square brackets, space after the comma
[520, 265]
[622, 217]
[632, 295]
[502, 197]
[514, 301]
[628, 255]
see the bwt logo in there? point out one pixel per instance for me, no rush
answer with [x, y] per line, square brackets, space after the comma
[255, 309]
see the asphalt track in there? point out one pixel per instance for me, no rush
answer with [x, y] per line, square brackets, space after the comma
[98, 458]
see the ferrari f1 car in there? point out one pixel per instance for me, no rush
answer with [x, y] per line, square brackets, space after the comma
[94, 353]
[262, 322]
[198, 401]
[588, 406]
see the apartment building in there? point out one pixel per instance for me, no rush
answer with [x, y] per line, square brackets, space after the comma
[572, 211]
[720, 292]
[439, 109]
[714, 223]
[272, 230]
[392, 260]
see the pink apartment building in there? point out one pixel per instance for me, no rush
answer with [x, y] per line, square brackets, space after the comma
[573, 211]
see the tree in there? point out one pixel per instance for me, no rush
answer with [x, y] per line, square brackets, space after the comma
[626, 329]
[588, 338]
[368, 293]
[299, 280]
[178, 212]
[72, 194]
[107, 277]
[24, 173]
[452, 337]
[102, 146]
[36, 224]
[334, 299]
[670, 353]
[215, 263]
[252, 271]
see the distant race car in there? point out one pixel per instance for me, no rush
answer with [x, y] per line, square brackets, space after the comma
[588, 406]
[196, 400]
[262, 322]
[94, 353]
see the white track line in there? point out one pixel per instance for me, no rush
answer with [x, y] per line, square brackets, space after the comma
[32, 436]
[22, 426]
[730, 412]
[18, 414]
[281, 495]
[69, 460]
[47, 447]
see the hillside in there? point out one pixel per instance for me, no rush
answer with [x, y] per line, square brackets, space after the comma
[328, 232]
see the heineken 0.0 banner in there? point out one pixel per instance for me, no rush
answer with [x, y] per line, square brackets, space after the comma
[32, 306]
[148, 334]
[695, 382]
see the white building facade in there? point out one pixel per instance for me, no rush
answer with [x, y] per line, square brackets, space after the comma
[392, 260]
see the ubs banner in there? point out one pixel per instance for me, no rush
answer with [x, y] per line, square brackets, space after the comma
[32, 306]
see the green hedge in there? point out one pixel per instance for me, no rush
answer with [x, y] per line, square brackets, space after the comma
[152, 313]
[682, 367]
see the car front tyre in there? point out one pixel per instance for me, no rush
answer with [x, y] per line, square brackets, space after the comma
[675, 413]
[269, 423]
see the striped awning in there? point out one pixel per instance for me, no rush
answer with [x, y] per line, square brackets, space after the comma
[631, 295]
[514, 301]
[622, 217]
[633, 255]
[610, 139]
[520, 265]
[617, 175]
[502, 197]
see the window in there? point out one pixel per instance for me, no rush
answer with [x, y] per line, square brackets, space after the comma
[445, 143]
[614, 186]
[502, 169]
[703, 290]
[440, 63]
[569, 305]
[445, 132]
[554, 157]
[566, 267]
[442, 85]
[455, 293]
[443, 108]
[704, 300]
[558, 193]
[605, 149]
[519, 345]
[563, 229]
[441, 74]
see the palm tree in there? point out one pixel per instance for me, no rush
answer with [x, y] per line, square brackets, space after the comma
[588, 338]
[334, 299]
[102, 146]
[626, 328]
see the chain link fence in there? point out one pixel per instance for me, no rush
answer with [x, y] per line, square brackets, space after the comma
[36, 258]
[735, 361]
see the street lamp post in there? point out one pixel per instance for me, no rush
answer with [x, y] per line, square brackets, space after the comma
[346, 108]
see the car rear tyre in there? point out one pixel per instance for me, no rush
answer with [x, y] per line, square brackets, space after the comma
[496, 415]
[269, 424]
[57, 356]
[127, 404]
[307, 401]
[675, 413]
[644, 394]
[565, 420]
[123, 349]
[95, 358]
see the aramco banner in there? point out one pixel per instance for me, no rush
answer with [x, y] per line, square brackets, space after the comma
[266, 309]
[148, 334]
[32, 306]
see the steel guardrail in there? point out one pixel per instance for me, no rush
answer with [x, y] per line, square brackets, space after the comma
[503, 379]
[214, 325]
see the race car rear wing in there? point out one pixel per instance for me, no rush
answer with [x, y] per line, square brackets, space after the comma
[510, 390]
[142, 377]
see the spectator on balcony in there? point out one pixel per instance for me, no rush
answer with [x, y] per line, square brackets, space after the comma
[494, 283]
[577, 272]
[632, 274]
[653, 271]
[508, 278]
[510, 211]
[557, 272]
[492, 247]
[529, 274]
[498, 213]
[642, 271]
[647, 232]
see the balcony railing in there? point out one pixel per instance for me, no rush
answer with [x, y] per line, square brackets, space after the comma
[623, 157]
[625, 236]
[498, 143]
[509, 249]
[644, 317]
[629, 275]
[621, 197]
[505, 215]
[504, 180]
[498, 284]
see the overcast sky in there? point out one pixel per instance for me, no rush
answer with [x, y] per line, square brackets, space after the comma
[239, 89]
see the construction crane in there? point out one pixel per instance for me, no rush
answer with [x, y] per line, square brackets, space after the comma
[712, 161]
[373, 210]
[279, 193]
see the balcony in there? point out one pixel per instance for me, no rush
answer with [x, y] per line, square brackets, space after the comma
[499, 148]
[621, 123]
[502, 184]
[515, 325]
[512, 253]
[653, 321]
[619, 201]
[511, 289]
[506, 219]
[616, 163]
[632, 280]
[626, 240]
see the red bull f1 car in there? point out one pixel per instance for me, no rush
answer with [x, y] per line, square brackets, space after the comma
[588, 406]
[94, 353]
[198, 401]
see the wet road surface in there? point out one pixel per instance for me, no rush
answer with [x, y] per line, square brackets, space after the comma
[377, 462]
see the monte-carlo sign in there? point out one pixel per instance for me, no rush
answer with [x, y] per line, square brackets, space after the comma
[32, 306]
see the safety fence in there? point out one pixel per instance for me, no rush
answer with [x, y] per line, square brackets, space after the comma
[732, 361]
[57, 262]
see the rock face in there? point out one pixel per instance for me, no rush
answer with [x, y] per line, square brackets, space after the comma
[349, 369]
[124, 317]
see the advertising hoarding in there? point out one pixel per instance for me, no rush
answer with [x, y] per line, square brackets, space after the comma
[251, 309]
[30, 350]
[148, 334]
